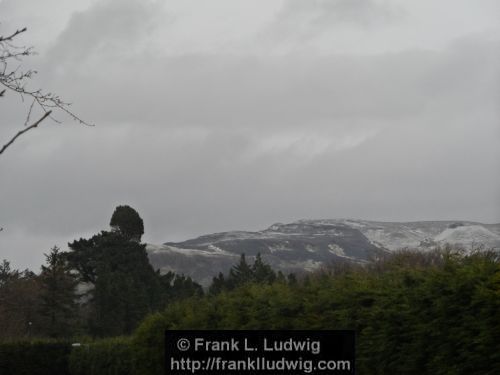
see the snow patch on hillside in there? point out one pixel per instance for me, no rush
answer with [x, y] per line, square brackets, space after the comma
[214, 251]
[469, 235]
[336, 249]
[279, 247]
[309, 265]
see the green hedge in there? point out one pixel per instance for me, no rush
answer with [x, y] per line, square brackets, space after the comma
[112, 356]
[414, 314]
[105, 357]
[148, 344]
[34, 358]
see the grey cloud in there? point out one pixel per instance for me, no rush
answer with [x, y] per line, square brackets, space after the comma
[307, 19]
[289, 92]
[44, 19]
[216, 141]
[112, 28]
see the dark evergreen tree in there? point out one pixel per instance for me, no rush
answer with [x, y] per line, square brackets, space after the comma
[292, 279]
[176, 287]
[127, 221]
[58, 295]
[6, 273]
[262, 272]
[126, 288]
[85, 256]
[19, 303]
[241, 273]
[218, 284]
[280, 277]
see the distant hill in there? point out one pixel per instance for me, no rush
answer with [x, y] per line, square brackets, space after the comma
[307, 244]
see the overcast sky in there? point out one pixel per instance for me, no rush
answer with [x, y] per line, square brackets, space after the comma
[231, 114]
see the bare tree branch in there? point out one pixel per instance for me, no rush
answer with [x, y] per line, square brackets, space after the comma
[13, 35]
[21, 132]
[15, 80]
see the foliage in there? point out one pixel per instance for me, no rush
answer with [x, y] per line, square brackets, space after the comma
[414, 313]
[34, 358]
[148, 345]
[19, 303]
[121, 290]
[58, 296]
[176, 287]
[244, 273]
[38, 305]
[126, 288]
[262, 272]
[127, 221]
[6, 273]
[112, 356]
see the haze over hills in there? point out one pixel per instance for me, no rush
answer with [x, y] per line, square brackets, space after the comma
[308, 244]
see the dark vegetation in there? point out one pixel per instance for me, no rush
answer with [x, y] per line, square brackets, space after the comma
[113, 356]
[35, 357]
[414, 313]
[104, 286]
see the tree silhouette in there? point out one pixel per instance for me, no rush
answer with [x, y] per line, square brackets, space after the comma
[58, 295]
[127, 221]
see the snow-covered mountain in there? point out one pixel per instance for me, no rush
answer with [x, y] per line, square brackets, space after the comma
[307, 244]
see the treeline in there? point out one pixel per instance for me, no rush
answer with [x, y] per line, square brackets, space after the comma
[244, 273]
[413, 313]
[104, 286]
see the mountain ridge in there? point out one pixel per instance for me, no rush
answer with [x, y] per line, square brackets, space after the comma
[308, 244]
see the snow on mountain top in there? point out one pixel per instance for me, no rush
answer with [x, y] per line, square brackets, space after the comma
[388, 235]
[308, 244]
[213, 251]
[469, 235]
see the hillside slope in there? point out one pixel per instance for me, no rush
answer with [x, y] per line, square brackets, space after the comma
[307, 244]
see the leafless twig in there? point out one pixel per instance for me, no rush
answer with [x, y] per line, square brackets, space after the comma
[13, 35]
[15, 80]
[21, 132]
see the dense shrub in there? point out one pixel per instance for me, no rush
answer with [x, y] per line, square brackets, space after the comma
[414, 313]
[104, 357]
[148, 344]
[34, 358]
